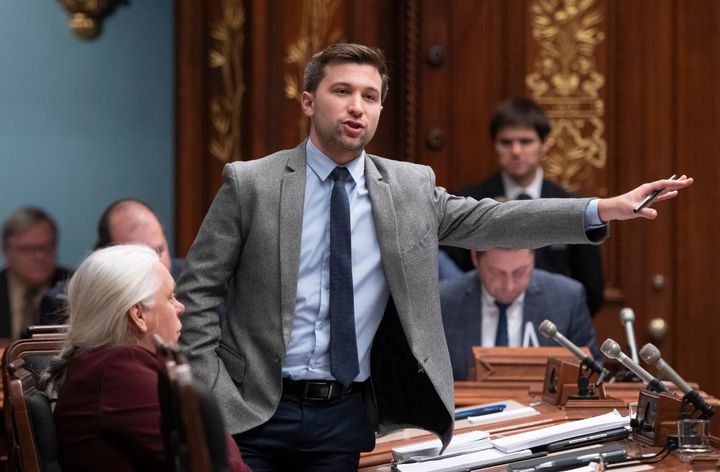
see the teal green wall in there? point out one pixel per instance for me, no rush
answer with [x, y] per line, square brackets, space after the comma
[83, 123]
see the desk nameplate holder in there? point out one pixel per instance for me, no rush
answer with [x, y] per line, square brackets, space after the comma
[513, 364]
[657, 416]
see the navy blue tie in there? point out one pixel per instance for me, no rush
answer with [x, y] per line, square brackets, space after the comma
[343, 343]
[501, 337]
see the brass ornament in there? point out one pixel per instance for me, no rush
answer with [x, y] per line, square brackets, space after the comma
[85, 15]
[225, 56]
[566, 82]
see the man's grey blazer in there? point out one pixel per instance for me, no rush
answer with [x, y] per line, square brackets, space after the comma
[250, 242]
[549, 296]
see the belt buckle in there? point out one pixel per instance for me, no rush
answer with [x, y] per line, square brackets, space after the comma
[318, 387]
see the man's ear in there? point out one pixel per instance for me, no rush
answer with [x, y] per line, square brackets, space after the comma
[307, 101]
[136, 316]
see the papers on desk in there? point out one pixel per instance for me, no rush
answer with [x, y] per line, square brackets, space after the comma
[544, 436]
[461, 443]
[504, 415]
[463, 462]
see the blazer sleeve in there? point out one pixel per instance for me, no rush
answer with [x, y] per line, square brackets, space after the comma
[484, 224]
[203, 284]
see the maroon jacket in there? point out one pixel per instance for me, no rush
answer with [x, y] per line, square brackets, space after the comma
[108, 415]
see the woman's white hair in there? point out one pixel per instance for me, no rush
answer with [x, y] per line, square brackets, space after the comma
[102, 290]
[100, 293]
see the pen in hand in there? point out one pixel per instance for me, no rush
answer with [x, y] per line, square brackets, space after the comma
[647, 200]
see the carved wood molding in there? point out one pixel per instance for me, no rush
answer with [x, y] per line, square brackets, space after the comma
[567, 82]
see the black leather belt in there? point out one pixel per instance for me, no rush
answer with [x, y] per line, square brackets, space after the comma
[318, 390]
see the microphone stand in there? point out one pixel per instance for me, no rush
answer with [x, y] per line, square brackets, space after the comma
[699, 407]
[586, 389]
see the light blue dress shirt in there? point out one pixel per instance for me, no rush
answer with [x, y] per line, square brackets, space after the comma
[308, 355]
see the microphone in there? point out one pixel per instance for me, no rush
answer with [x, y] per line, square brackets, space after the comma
[549, 330]
[612, 350]
[651, 355]
[627, 317]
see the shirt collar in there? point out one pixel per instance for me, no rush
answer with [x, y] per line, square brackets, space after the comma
[512, 189]
[322, 165]
[489, 301]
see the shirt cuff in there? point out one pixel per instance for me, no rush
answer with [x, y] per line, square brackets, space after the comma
[592, 217]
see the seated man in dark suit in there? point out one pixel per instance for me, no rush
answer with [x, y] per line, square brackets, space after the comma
[503, 302]
[520, 130]
[29, 239]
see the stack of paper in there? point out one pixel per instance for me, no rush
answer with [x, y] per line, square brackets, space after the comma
[463, 462]
[544, 436]
[464, 442]
[504, 415]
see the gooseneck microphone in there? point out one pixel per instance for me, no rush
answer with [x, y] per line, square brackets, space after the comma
[651, 354]
[627, 317]
[549, 330]
[612, 350]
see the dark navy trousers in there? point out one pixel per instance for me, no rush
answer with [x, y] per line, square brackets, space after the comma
[310, 436]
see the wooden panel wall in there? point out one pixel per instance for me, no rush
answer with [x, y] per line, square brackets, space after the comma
[645, 105]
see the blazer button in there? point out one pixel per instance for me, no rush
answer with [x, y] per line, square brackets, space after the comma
[277, 359]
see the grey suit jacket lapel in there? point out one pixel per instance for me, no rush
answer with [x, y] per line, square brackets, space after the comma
[292, 199]
[386, 228]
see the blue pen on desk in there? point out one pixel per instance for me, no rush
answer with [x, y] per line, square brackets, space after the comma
[483, 410]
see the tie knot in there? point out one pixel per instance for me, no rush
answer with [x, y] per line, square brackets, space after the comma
[340, 174]
[524, 196]
[502, 306]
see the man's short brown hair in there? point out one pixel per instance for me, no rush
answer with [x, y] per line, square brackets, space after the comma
[344, 53]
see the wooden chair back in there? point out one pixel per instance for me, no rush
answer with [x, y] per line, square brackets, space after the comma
[192, 427]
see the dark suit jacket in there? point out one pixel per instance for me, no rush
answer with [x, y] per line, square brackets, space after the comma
[251, 237]
[582, 262]
[5, 329]
[549, 296]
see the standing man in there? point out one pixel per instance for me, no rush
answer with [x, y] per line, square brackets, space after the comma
[333, 328]
[29, 239]
[520, 130]
[503, 302]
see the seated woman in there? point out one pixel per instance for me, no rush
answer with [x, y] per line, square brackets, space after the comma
[105, 379]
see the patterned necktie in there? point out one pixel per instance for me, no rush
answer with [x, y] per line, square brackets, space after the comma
[343, 343]
[501, 336]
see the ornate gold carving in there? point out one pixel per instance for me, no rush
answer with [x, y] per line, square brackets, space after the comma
[315, 34]
[567, 83]
[226, 56]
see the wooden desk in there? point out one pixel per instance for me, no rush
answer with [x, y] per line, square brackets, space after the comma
[671, 463]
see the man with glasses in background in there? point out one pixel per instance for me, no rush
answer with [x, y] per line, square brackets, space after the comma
[29, 239]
